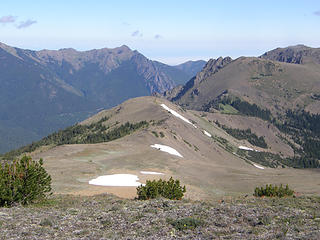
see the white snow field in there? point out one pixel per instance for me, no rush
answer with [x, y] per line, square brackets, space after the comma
[206, 133]
[167, 149]
[257, 166]
[246, 148]
[151, 173]
[116, 180]
[177, 115]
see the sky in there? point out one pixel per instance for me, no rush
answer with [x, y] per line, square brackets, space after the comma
[168, 31]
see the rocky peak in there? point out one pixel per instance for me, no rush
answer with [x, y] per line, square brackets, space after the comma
[299, 54]
[211, 67]
[108, 59]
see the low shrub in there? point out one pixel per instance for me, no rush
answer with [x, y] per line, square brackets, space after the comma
[273, 191]
[23, 181]
[170, 189]
[155, 134]
[185, 223]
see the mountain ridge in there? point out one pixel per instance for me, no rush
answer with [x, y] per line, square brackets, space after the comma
[298, 54]
[213, 162]
[43, 91]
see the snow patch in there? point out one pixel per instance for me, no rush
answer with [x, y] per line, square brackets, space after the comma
[206, 133]
[257, 166]
[151, 173]
[167, 149]
[177, 115]
[246, 148]
[116, 180]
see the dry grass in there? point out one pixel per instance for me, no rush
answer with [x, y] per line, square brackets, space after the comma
[208, 170]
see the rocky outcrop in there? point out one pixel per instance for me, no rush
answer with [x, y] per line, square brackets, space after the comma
[212, 67]
[298, 54]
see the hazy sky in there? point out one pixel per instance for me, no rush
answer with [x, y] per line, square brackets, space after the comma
[170, 31]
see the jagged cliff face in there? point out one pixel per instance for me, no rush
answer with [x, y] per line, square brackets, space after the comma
[211, 67]
[298, 54]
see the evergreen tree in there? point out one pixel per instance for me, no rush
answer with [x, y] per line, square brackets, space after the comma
[23, 181]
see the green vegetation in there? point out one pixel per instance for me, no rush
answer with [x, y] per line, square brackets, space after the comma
[245, 134]
[273, 191]
[80, 134]
[196, 148]
[224, 143]
[170, 189]
[301, 126]
[189, 144]
[237, 105]
[155, 134]
[227, 109]
[264, 158]
[316, 97]
[304, 129]
[185, 223]
[250, 109]
[23, 181]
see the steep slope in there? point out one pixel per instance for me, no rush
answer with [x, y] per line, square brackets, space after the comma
[274, 85]
[211, 67]
[285, 95]
[31, 99]
[298, 54]
[211, 163]
[42, 91]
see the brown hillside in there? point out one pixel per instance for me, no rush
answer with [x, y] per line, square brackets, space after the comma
[207, 168]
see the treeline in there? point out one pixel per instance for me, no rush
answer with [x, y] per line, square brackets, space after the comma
[113, 134]
[80, 134]
[304, 128]
[245, 135]
[248, 109]
[273, 191]
[245, 108]
[301, 126]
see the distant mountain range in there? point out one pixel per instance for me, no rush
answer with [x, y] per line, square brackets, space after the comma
[42, 91]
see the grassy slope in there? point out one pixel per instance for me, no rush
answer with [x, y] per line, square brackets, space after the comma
[266, 83]
[207, 168]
